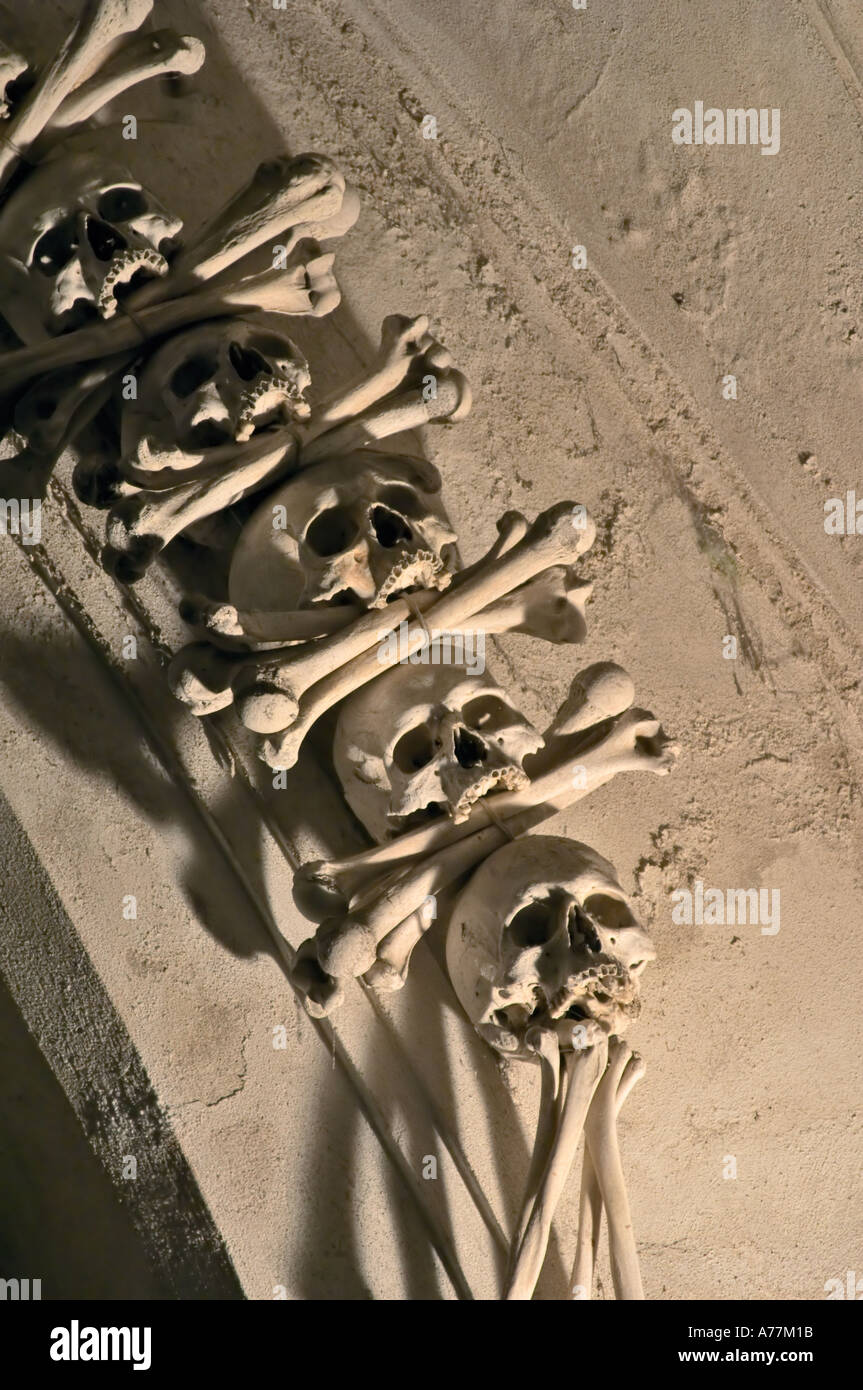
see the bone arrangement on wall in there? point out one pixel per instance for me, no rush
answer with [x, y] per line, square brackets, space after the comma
[334, 540]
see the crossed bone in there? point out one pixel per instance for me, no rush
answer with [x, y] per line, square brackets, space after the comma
[374, 898]
[144, 521]
[306, 196]
[288, 707]
[94, 39]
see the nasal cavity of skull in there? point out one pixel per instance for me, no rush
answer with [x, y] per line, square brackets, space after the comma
[332, 532]
[246, 362]
[469, 750]
[582, 927]
[389, 528]
[395, 502]
[106, 241]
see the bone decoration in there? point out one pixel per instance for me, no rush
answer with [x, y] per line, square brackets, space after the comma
[425, 741]
[328, 586]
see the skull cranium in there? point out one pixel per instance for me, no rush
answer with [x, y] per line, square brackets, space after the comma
[73, 237]
[211, 385]
[423, 741]
[354, 529]
[544, 936]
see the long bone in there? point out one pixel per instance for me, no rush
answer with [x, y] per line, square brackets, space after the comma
[550, 606]
[600, 1132]
[145, 56]
[341, 880]
[225, 625]
[274, 627]
[551, 540]
[582, 1073]
[222, 625]
[308, 288]
[257, 291]
[590, 1201]
[394, 950]
[160, 53]
[405, 343]
[283, 193]
[347, 944]
[405, 354]
[140, 526]
[101, 24]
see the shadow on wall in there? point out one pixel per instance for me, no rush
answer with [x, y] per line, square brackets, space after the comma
[73, 1111]
[59, 1217]
[178, 155]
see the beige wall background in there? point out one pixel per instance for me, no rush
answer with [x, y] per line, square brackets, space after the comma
[603, 385]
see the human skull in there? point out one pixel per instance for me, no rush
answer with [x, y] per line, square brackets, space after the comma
[543, 936]
[214, 384]
[73, 237]
[354, 529]
[422, 741]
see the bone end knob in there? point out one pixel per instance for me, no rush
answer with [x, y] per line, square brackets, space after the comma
[266, 709]
[346, 946]
[600, 692]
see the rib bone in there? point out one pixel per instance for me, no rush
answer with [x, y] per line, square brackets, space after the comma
[590, 1204]
[600, 1133]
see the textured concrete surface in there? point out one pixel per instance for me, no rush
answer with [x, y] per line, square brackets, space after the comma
[603, 385]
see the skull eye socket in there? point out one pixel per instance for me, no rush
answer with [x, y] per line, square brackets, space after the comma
[121, 204]
[399, 497]
[280, 349]
[533, 925]
[610, 913]
[192, 374]
[331, 532]
[247, 362]
[414, 750]
[487, 713]
[55, 248]
[390, 529]
[105, 240]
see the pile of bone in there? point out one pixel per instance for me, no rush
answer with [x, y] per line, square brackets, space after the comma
[333, 542]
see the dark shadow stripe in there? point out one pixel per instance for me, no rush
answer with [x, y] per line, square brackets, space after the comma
[89, 1052]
